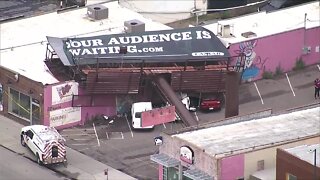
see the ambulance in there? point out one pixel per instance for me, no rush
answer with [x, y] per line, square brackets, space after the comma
[46, 144]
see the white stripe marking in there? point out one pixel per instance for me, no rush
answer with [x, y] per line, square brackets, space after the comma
[129, 125]
[122, 135]
[164, 125]
[107, 135]
[195, 113]
[94, 127]
[258, 92]
[318, 66]
[290, 85]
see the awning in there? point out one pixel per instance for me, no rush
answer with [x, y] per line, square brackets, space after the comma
[197, 174]
[164, 160]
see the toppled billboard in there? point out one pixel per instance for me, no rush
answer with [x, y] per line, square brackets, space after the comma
[158, 116]
[195, 43]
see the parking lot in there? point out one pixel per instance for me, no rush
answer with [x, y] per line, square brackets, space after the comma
[112, 140]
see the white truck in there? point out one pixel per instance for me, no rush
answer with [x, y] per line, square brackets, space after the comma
[46, 144]
[136, 110]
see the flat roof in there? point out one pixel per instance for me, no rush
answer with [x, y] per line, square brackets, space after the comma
[254, 134]
[265, 24]
[306, 153]
[23, 42]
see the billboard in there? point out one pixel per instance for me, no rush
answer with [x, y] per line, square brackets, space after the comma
[195, 43]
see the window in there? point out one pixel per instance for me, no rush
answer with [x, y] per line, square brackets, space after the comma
[23, 106]
[30, 134]
[138, 115]
[291, 177]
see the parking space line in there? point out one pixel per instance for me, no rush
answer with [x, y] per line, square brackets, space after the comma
[197, 118]
[318, 66]
[68, 135]
[164, 125]
[129, 125]
[258, 92]
[122, 135]
[94, 127]
[290, 85]
[107, 135]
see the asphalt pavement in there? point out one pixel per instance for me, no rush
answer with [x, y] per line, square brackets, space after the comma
[80, 166]
[129, 150]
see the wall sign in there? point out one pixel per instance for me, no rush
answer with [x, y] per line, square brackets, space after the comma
[63, 92]
[186, 154]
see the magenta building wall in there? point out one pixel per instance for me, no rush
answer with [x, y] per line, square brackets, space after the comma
[279, 50]
[72, 116]
[232, 167]
[160, 172]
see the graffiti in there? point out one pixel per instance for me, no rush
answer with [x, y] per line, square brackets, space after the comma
[253, 65]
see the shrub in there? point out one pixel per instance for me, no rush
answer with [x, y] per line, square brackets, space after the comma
[267, 75]
[299, 64]
[279, 71]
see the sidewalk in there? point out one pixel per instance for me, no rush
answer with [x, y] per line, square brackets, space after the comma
[79, 167]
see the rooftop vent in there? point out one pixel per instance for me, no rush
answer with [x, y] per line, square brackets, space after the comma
[249, 34]
[134, 26]
[97, 12]
[225, 30]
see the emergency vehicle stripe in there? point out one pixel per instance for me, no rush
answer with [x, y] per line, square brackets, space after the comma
[48, 149]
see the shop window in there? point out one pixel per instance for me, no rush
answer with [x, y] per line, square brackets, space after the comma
[172, 173]
[19, 104]
[291, 177]
[35, 112]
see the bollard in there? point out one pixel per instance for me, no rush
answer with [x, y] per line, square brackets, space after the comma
[106, 173]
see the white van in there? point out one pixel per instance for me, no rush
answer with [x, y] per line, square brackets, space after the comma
[45, 143]
[136, 110]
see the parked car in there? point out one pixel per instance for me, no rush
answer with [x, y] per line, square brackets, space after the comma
[210, 104]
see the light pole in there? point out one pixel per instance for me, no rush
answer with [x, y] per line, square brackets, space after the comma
[315, 163]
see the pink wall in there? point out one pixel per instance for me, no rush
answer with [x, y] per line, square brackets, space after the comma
[160, 172]
[283, 49]
[232, 167]
[108, 108]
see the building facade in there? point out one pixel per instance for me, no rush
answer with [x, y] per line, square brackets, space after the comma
[235, 151]
[300, 162]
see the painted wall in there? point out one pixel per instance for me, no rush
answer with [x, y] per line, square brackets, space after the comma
[58, 110]
[269, 156]
[279, 50]
[232, 167]
[160, 172]
[202, 161]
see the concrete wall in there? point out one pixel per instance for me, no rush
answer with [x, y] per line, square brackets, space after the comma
[269, 156]
[279, 50]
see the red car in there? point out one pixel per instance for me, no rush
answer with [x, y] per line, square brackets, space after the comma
[210, 104]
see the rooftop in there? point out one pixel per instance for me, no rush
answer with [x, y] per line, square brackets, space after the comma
[254, 134]
[23, 42]
[264, 24]
[306, 153]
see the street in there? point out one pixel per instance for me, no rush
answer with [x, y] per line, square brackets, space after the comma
[15, 166]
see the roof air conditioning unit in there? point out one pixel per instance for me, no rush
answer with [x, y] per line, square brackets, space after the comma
[134, 26]
[97, 12]
[226, 31]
